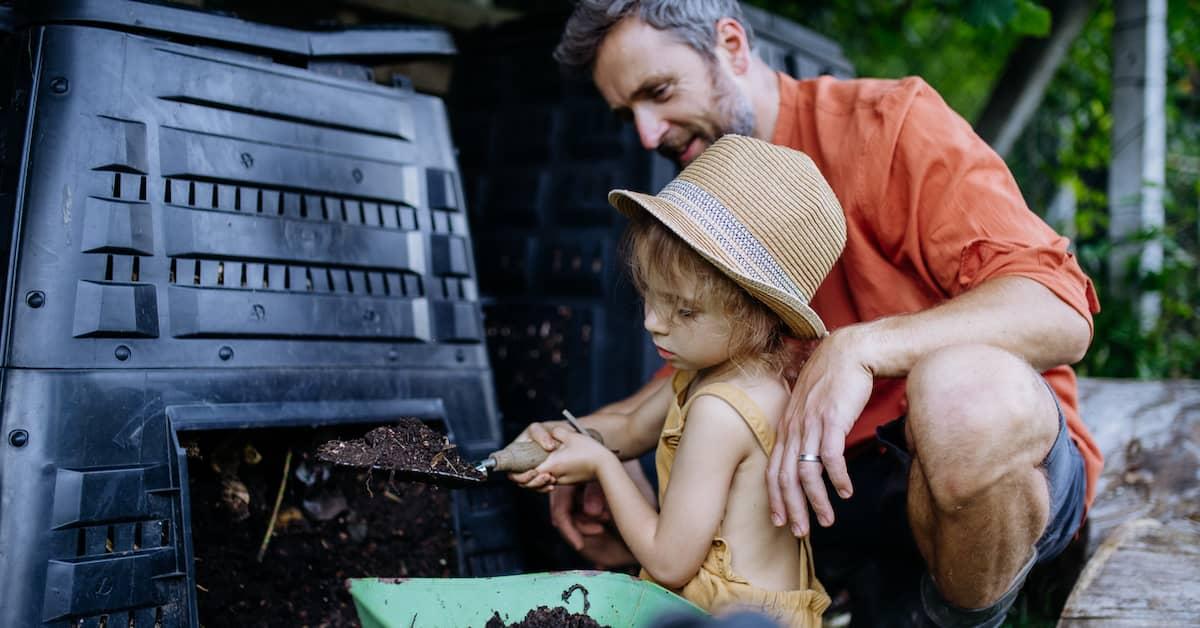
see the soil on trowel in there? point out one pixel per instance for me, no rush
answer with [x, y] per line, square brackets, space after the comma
[547, 617]
[334, 523]
[407, 446]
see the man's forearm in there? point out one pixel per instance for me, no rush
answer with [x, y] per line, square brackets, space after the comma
[619, 434]
[630, 404]
[631, 426]
[1013, 313]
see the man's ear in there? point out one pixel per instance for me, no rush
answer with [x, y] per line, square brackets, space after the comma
[733, 45]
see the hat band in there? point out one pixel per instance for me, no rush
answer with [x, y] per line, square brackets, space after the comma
[711, 215]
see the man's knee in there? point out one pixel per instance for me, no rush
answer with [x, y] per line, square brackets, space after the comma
[976, 414]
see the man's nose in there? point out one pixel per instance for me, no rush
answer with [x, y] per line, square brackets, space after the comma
[650, 128]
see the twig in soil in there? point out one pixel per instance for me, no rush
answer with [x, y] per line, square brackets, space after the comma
[287, 464]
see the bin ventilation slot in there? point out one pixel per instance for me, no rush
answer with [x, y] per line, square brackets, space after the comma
[118, 538]
[128, 187]
[122, 268]
[273, 201]
[150, 617]
[443, 221]
[212, 273]
[451, 289]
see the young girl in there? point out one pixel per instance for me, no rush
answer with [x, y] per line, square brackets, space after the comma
[725, 257]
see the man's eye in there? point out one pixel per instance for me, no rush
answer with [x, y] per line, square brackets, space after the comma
[662, 92]
[686, 312]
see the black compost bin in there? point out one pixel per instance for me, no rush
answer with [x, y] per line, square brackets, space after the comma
[207, 230]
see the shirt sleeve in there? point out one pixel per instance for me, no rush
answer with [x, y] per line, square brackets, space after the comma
[953, 214]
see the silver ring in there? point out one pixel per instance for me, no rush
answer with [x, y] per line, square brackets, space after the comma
[808, 458]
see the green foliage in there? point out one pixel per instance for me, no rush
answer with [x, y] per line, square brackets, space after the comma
[1031, 19]
[957, 46]
[1022, 16]
[1068, 143]
[960, 46]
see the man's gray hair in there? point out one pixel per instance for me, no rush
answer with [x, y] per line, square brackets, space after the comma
[691, 22]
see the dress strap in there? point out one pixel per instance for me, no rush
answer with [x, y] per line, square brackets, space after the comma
[746, 408]
[680, 381]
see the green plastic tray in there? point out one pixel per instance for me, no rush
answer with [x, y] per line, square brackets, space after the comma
[613, 599]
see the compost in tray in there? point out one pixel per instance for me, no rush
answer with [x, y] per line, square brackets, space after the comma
[547, 617]
[409, 445]
[334, 523]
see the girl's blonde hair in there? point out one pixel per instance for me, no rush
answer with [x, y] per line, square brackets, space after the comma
[659, 257]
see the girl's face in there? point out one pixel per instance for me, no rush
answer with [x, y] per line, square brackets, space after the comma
[689, 334]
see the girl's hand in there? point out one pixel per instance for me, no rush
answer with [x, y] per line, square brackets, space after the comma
[576, 458]
[540, 434]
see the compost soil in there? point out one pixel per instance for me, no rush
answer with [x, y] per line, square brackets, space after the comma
[547, 617]
[334, 523]
[407, 446]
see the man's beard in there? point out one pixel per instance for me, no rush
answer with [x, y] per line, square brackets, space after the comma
[732, 110]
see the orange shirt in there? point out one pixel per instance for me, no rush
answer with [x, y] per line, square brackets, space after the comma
[931, 212]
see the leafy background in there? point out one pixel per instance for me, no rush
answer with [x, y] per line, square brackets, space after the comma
[960, 47]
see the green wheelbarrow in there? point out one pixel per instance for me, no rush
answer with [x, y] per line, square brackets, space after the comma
[611, 599]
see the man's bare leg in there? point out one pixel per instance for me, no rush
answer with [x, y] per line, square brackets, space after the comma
[980, 423]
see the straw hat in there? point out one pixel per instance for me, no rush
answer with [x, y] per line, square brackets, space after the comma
[762, 214]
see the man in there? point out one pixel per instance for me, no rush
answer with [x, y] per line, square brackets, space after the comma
[954, 311]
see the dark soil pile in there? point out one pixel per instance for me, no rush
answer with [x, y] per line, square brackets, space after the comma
[407, 446]
[333, 524]
[547, 617]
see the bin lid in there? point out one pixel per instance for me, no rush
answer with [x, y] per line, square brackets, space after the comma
[152, 18]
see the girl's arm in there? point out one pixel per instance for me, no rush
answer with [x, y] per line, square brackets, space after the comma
[671, 544]
[630, 427]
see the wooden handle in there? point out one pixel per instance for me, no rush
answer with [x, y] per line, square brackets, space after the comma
[519, 456]
[525, 454]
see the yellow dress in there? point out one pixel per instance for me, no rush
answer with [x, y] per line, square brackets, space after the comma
[716, 587]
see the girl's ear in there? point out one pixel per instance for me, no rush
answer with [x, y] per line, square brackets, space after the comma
[733, 45]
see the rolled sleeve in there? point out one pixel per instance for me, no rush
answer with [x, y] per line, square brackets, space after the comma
[1052, 266]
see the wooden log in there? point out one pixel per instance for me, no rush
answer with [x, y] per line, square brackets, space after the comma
[1144, 574]
[1149, 432]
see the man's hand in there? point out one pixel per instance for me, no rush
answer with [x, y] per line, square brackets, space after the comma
[831, 391]
[575, 521]
[539, 433]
